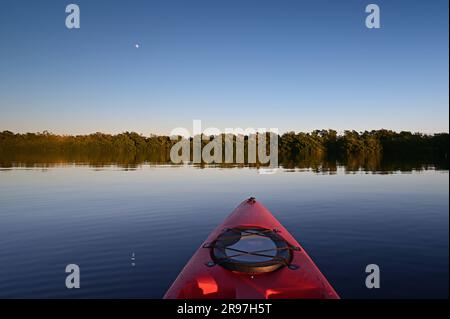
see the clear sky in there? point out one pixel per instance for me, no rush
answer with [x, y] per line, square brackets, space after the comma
[294, 65]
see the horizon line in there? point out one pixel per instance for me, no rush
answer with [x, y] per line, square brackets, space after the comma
[338, 132]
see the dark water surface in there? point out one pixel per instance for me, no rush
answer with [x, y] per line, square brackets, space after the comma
[97, 218]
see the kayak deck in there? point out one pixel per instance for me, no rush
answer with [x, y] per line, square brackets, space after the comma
[277, 267]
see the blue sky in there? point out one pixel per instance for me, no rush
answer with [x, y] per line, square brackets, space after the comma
[293, 65]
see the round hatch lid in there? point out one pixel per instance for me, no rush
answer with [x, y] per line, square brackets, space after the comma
[251, 250]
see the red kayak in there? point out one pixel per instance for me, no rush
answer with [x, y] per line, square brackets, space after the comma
[251, 256]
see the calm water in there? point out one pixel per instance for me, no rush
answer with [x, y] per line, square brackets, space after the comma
[97, 218]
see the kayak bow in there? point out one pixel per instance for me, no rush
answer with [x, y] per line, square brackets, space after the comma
[251, 256]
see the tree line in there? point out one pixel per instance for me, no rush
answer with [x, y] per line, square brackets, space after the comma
[312, 148]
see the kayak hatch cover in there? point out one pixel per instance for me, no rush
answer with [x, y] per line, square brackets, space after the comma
[250, 256]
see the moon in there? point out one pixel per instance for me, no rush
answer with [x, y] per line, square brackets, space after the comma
[136, 45]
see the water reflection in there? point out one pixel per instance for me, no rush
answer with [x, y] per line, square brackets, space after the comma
[320, 164]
